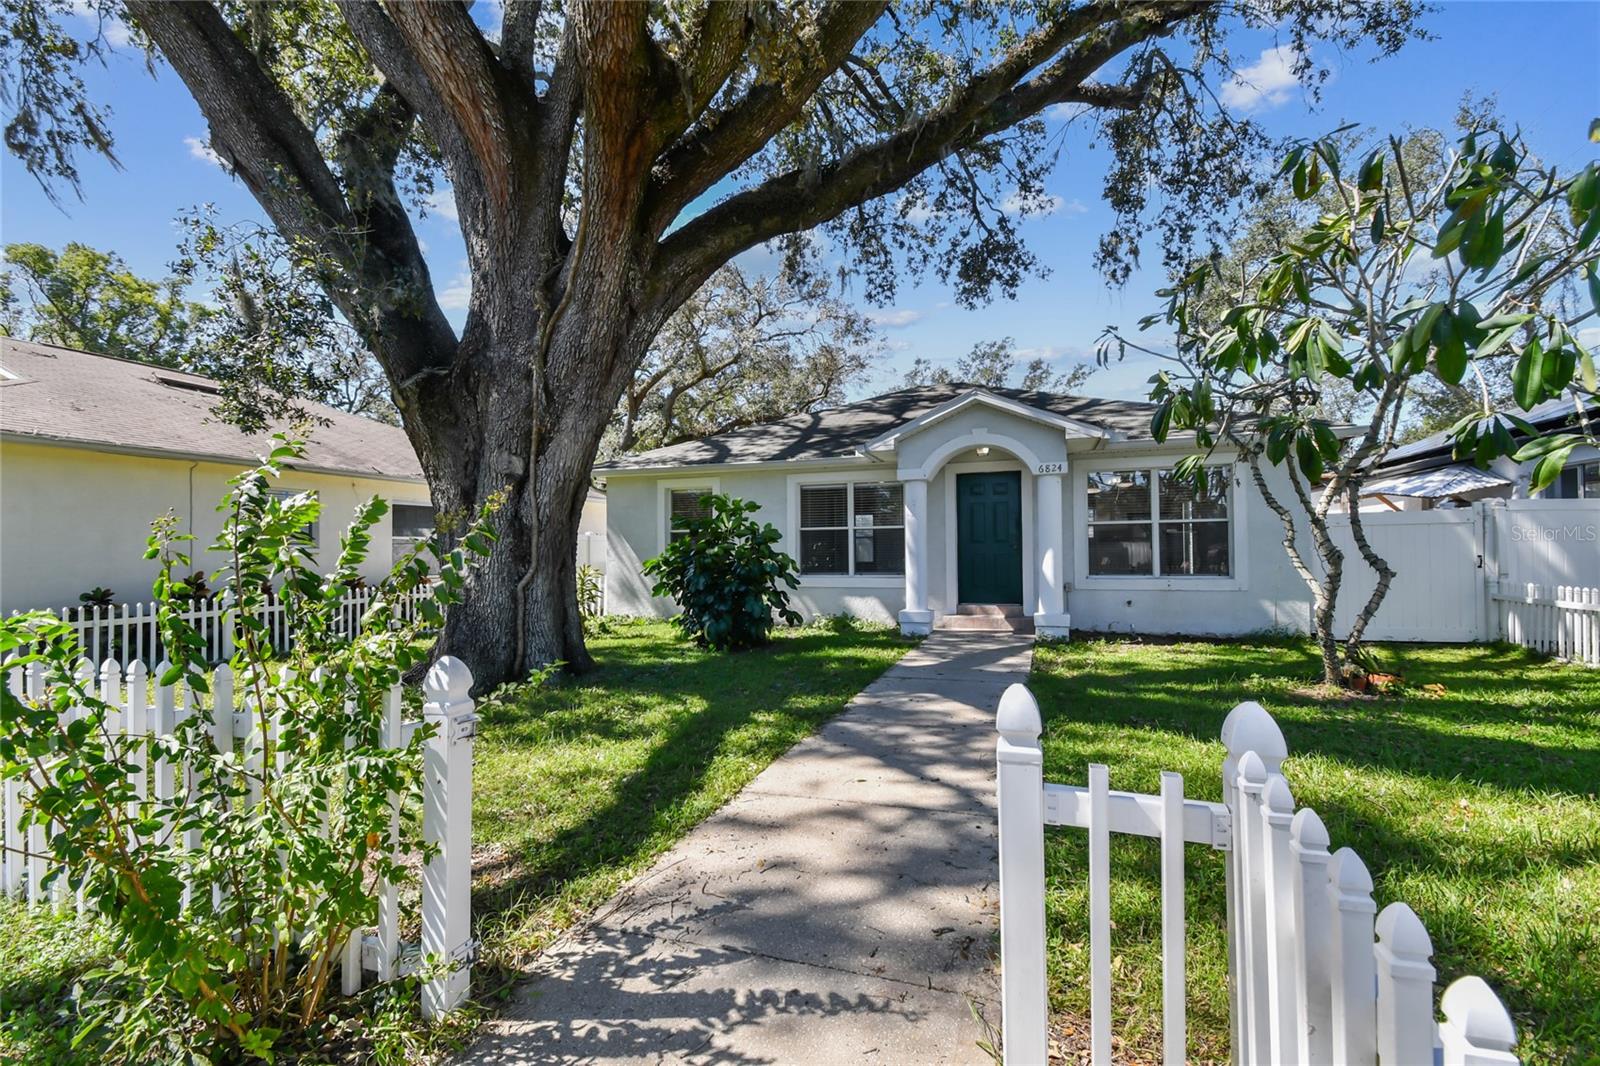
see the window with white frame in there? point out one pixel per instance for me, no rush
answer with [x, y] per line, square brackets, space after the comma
[1151, 522]
[685, 506]
[853, 528]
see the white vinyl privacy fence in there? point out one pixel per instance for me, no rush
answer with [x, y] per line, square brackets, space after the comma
[128, 631]
[146, 711]
[1516, 570]
[1316, 973]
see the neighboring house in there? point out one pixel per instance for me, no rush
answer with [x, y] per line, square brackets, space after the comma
[92, 449]
[1423, 475]
[909, 505]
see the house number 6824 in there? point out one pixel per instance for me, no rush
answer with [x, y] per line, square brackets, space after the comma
[1051, 468]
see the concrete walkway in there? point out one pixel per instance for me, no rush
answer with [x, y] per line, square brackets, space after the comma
[839, 909]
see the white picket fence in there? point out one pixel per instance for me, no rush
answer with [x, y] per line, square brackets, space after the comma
[128, 631]
[375, 954]
[1313, 978]
[1559, 620]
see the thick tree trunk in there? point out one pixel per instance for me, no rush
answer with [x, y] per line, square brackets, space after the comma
[473, 430]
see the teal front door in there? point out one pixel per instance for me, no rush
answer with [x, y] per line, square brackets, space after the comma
[989, 537]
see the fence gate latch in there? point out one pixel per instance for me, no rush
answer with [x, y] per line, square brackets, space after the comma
[463, 728]
[1221, 830]
[465, 954]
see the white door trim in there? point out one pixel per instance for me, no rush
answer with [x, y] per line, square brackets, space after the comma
[1030, 563]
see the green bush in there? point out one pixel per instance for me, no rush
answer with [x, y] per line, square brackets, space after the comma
[280, 852]
[726, 574]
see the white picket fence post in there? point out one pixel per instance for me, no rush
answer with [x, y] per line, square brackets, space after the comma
[447, 822]
[1477, 1030]
[1019, 781]
[1316, 976]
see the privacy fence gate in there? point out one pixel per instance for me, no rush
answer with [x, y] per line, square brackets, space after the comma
[1316, 973]
[144, 710]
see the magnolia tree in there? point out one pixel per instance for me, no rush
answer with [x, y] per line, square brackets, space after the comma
[606, 159]
[1405, 274]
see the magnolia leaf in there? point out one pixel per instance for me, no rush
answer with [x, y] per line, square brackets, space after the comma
[1527, 377]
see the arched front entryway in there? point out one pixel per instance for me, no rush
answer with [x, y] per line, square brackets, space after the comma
[979, 433]
[988, 484]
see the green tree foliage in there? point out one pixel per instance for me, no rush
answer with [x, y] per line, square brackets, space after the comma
[993, 364]
[1406, 275]
[727, 576]
[272, 340]
[277, 339]
[280, 853]
[81, 297]
[740, 352]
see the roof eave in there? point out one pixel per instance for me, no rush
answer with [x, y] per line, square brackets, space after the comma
[53, 441]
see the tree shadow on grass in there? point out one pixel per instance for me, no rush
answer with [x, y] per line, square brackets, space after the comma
[792, 686]
[1464, 733]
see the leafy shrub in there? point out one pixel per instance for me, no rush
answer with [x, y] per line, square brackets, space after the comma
[725, 574]
[591, 595]
[281, 851]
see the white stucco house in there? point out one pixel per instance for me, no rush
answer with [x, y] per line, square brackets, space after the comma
[93, 448]
[939, 506]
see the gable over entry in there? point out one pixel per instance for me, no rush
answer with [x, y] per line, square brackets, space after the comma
[972, 441]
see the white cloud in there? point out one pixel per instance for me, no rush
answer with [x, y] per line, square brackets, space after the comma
[1589, 337]
[200, 148]
[457, 295]
[443, 204]
[115, 31]
[895, 317]
[1065, 112]
[493, 17]
[1032, 206]
[1047, 351]
[1265, 83]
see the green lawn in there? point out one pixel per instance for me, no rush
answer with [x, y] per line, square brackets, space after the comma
[578, 785]
[1477, 805]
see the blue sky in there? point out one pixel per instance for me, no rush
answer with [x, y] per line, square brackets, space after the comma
[1539, 59]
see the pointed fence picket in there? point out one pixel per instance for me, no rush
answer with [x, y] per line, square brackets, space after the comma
[145, 710]
[1316, 974]
[128, 632]
[1559, 620]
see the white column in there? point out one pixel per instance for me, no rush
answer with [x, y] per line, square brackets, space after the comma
[916, 620]
[1051, 620]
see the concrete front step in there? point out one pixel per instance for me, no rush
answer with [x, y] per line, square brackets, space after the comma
[990, 610]
[983, 623]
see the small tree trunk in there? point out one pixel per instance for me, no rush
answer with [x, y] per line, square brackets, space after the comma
[1380, 566]
[1324, 591]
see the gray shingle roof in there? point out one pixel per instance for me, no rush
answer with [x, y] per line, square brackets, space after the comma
[64, 395]
[838, 431]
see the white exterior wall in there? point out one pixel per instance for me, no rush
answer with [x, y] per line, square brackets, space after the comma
[73, 518]
[1264, 593]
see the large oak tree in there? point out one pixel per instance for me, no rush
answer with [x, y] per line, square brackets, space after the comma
[606, 159]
